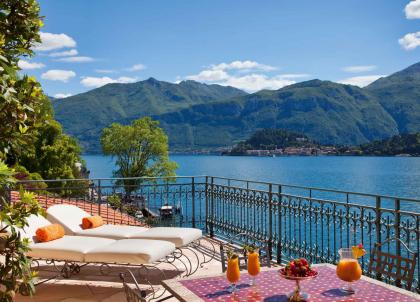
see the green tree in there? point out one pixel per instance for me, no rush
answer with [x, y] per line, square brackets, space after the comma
[53, 154]
[20, 97]
[29, 135]
[140, 149]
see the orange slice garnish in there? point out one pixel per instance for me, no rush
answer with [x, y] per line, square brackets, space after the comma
[358, 251]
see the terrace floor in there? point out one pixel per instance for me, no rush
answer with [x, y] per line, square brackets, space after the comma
[90, 285]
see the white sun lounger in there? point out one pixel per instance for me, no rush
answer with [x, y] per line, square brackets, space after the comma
[70, 217]
[94, 249]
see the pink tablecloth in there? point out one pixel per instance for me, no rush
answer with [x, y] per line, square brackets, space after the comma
[271, 287]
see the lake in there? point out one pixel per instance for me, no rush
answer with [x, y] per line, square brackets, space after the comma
[397, 176]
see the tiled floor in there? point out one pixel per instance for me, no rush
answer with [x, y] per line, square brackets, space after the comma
[91, 286]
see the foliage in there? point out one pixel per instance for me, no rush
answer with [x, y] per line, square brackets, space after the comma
[140, 149]
[131, 210]
[398, 144]
[15, 271]
[20, 97]
[114, 201]
[53, 154]
[29, 135]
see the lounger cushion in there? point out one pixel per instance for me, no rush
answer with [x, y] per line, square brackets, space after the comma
[178, 236]
[112, 231]
[69, 216]
[131, 251]
[71, 248]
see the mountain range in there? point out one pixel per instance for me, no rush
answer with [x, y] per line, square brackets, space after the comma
[198, 116]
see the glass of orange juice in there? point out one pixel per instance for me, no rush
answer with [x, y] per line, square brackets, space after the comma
[254, 267]
[348, 269]
[232, 273]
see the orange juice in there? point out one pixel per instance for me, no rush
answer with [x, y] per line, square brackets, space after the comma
[232, 273]
[253, 264]
[349, 270]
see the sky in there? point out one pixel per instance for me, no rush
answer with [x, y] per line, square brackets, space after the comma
[251, 45]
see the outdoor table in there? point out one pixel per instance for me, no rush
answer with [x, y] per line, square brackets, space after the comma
[272, 288]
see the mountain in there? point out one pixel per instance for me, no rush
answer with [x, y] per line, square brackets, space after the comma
[85, 115]
[327, 112]
[198, 116]
[399, 94]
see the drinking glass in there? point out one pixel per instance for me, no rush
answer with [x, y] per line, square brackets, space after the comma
[253, 266]
[348, 269]
[232, 273]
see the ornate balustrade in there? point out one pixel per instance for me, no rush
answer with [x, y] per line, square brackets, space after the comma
[294, 221]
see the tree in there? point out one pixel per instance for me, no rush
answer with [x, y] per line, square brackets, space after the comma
[20, 97]
[29, 135]
[140, 149]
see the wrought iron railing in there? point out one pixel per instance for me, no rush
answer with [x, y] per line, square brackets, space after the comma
[295, 221]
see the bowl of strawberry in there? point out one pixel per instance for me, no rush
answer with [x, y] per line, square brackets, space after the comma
[298, 270]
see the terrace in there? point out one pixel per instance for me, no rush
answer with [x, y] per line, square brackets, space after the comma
[292, 221]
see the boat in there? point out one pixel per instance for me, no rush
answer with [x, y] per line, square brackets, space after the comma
[166, 211]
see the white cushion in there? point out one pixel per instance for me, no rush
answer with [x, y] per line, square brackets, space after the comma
[178, 236]
[131, 251]
[112, 231]
[69, 216]
[70, 248]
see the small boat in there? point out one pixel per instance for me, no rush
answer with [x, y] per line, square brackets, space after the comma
[166, 211]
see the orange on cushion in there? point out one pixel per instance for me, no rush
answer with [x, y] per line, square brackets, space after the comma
[92, 222]
[49, 232]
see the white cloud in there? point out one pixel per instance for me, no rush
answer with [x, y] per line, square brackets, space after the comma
[66, 53]
[246, 75]
[410, 41]
[62, 95]
[255, 82]
[359, 68]
[293, 75]
[29, 65]
[137, 67]
[242, 65]
[58, 75]
[361, 81]
[76, 59]
[54, 41]
[412, 10]
[209, 75]
[105, 71]
[101, 81]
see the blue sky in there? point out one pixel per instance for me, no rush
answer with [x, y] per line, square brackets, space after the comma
[248, 44]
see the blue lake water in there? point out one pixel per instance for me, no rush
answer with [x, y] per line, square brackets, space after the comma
[397, 176]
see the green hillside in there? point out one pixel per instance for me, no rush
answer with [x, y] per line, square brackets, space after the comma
[399, 94]
[327, 112]
[85, 115]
